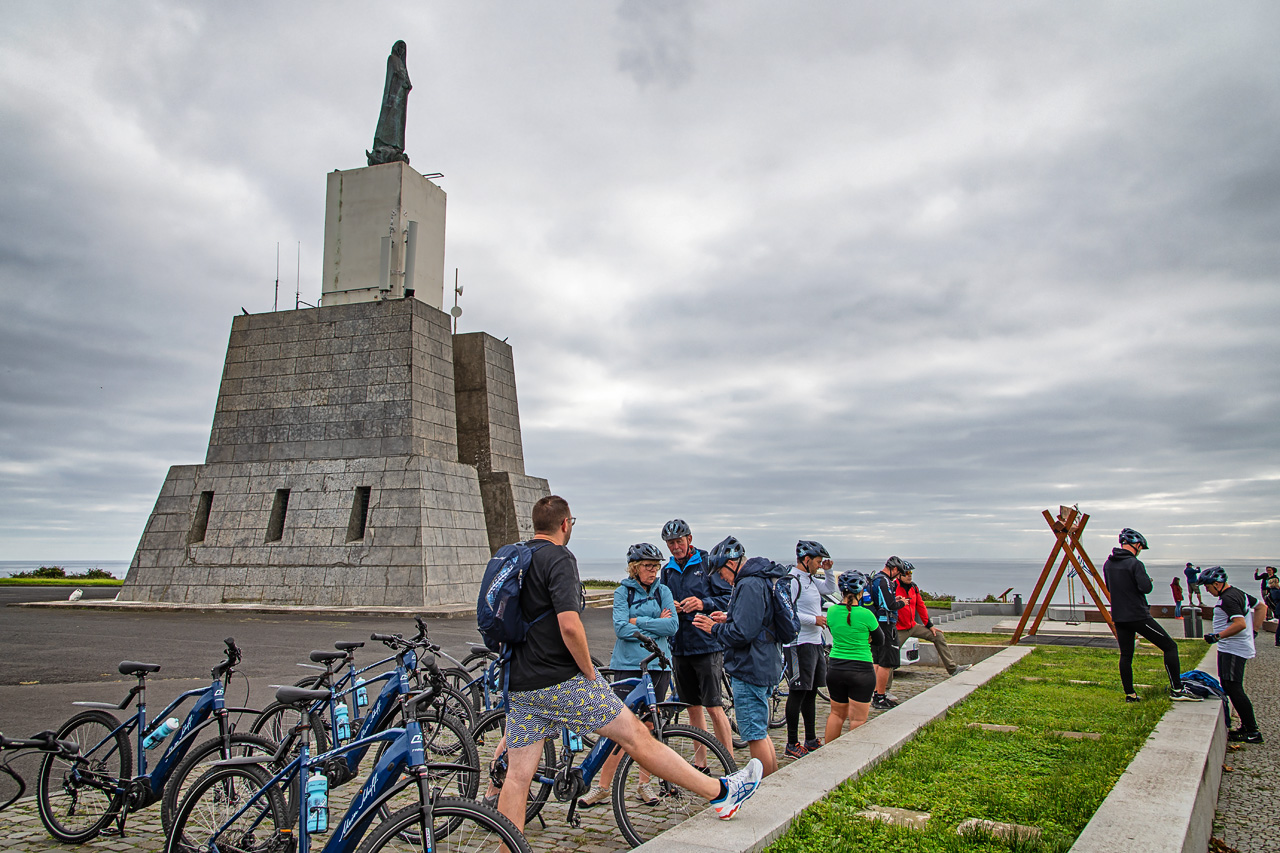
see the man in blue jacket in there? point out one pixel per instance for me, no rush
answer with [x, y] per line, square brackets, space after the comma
[697, 661]
[752, 657]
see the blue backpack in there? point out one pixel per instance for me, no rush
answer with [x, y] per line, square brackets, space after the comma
[1202, 684]
[784, 623]
[501, 622]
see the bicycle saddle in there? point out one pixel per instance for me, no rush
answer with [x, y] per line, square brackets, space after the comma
[132, 667]
[321, 656]
[300, 695]
[348, 645]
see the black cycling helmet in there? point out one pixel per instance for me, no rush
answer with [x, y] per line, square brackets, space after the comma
[1129, 536]
[644, 553]
[893, 563]
[1213, 574]
[906, 567]
[852, 583]
[674, 529]
[809, 548]
[726, 549]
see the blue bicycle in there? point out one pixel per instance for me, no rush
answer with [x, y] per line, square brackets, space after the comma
[237, 807]
[80, 795]
[640, 814]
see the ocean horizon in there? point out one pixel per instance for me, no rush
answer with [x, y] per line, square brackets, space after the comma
[970, 579]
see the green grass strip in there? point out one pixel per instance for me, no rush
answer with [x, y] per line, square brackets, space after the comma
[67, 582]
[1029, 777]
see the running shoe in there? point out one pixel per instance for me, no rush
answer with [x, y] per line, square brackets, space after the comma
[811, 745]
[1239, 736]
[646, 794]
[883, 703]
[1183, 695]
[738, 789]
[795, 750]
[594, 797]
[1132, 697]
[961, 668]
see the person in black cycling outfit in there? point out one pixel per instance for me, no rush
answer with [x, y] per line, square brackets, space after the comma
[1129, 585]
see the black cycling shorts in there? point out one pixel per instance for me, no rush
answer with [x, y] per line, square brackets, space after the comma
[887, 654]
[850, 680]
[697, 678]
[808, 663]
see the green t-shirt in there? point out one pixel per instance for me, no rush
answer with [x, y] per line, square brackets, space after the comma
[851, 632]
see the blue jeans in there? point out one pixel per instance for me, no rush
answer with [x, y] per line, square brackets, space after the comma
[751, 708]
[1177, 610]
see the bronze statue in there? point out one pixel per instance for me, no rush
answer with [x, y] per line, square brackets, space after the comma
[388, 139]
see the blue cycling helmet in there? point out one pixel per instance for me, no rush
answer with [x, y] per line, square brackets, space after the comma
[1213, 574]
[809, 548]
[644, 553]
[675, 529]
[1129, 536]
[852, 583]
[726, 549]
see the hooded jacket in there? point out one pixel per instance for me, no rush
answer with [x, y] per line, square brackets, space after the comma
[1128, 583]
[696, 579]
[632, 600]
[750, 652]
[915, 611]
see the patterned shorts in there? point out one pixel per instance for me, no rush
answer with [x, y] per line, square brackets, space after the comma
[582, 706]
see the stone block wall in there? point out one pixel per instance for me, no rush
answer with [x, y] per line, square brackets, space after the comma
[365, 379]
[488, 414]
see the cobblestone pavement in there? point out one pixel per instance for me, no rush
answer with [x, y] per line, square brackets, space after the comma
[22, 832]
[1246, 818]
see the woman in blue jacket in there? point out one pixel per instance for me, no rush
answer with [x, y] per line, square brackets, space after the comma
[642, 607]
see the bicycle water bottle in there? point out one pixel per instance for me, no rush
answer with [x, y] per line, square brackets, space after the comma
[318, 802]
[362, 695]
[161, 732]
[343, 716]
[575, 741]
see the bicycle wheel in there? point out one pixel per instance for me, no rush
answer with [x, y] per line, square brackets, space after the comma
[466, 686]
[778, 700]
[641, 821]
[490, 738]
[198, 760]
[215, 798]
[277, 722]
[459, 825]
[78, 797]
[444, 740]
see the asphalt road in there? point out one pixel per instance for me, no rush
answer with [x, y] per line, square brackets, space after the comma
[52, 657]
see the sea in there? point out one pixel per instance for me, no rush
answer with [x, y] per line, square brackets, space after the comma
[964, 579]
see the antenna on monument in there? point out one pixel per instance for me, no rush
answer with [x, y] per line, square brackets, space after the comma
[297, 287]
[456, 310]
[275, 302]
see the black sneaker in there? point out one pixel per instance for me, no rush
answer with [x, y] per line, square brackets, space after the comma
[1239, 736]
[882, 703]
[1132, 697]
[1183, 695]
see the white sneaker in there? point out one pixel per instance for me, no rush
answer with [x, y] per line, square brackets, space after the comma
[738, 789]
[646, 794]
[961, 668]
[594, 797]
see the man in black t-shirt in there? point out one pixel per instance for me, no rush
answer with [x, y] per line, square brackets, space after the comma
[553, 684]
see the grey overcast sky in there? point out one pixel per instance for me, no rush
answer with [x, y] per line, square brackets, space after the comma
[892, 276]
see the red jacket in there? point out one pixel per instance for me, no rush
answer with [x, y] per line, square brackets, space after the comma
[907, 616]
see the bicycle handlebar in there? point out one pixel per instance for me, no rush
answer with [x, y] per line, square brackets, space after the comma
[233, 658]
[44, 741]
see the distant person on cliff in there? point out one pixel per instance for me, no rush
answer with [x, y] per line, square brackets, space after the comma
[1265, 576]
[1193, 583]
[885, 604]
[1176, 586]
[1233, 634]
[697, 660]
[1129, 583]
[914, 621]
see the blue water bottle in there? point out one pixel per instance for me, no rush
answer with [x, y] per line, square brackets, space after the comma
[575, 741]
[343, 716]
[362, 695]
[317, 802]
[160, 732]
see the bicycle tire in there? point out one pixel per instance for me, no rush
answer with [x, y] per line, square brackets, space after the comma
[60, 798]
[475, 827]
[277, 722]
[640, 822]
[198, 760]
[778, 699]
[489, 734]
[215, 797]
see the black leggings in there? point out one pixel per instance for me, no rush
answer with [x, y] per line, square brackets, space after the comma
[1231, 674]
[1150, 630]
[801, 702]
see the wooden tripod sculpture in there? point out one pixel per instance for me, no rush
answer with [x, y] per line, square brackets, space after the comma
[1068, 528]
